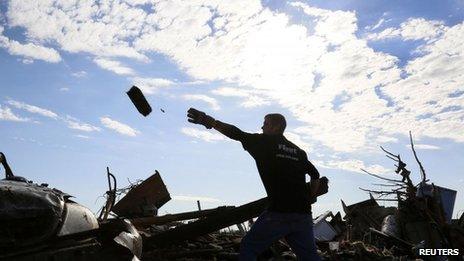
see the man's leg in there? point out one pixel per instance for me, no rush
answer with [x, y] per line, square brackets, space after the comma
[301, 239]
[267, 229]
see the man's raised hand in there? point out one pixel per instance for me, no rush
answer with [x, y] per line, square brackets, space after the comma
[198, 117]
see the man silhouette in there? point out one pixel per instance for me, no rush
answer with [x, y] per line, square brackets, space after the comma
[282, 167]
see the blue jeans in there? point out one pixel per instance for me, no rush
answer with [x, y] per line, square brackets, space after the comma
[296, 228]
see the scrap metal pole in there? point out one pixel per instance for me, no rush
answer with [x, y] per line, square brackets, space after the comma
[160, 220]
[208, 225]
[213, 223]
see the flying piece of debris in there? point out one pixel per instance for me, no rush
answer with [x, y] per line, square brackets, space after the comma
[137, 98]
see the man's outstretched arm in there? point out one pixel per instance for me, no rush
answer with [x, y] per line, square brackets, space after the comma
[199, 117]
[312, 171]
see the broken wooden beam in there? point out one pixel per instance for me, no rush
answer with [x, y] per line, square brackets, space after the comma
[221, 220]
[161, 220]
[209, 224]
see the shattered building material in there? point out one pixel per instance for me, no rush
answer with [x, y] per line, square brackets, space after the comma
[209, 224]
[77, 219]
[359, 250]
[364, 215]
[160, 220]
[33, 214]
[214, 246]
[30, 213]
[216, 222]
[383, 240]
[41, 223]
[446, 198]
[389, 225]
[138, 99]
[424, 213]
[461, 220]
[417, 224]
[144, 199]
[374, 232]
[121, 238]
[323, 230]
[110, 196]
[8, 173]
[338, 224]
[455, 236]
[76, 250]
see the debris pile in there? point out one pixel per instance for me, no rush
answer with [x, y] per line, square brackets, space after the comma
[422, 218]
[44, 223]
[41, 223]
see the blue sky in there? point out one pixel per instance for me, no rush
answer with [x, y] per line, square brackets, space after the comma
[348, 75]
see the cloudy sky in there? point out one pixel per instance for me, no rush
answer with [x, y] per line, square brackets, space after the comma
[348, 75]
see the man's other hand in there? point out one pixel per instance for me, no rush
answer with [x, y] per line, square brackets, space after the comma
[199, 117]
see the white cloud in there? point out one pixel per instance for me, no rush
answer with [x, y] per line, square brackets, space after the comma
[82, 136]
[323, 74]
[195, 198]
[207, 136]
[28, 50]
[353, 166]
[283, 62]
[76, 124]
[114, 66]
[79, 74]
[7, 115]
[412, 29]
[27, 61]
[204, 98]
[102, 29]
[298, 140]
[28, 140]
[71, 122]
[33, 109]
[428, 102]
[119, 127]
[424, 147]
[64, 89]
[335, 26]
[151, 85]
[251, 98]
[415, 29]
[377, 25]
[33, 51]
[385, 139]
[230, 91]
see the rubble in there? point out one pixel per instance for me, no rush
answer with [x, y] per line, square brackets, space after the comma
[143, 199]
[42, 223]
[323, 230]
[139, 100]
[421, 219]
[142, 222]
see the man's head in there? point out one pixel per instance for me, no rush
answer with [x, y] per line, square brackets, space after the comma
[274, 124]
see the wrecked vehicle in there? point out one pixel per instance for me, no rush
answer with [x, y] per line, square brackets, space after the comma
[42, 223]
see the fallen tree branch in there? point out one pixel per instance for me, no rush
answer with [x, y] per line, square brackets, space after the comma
[417, 159]
[377, 176]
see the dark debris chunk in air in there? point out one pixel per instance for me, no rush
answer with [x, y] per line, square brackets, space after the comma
[138, 99]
